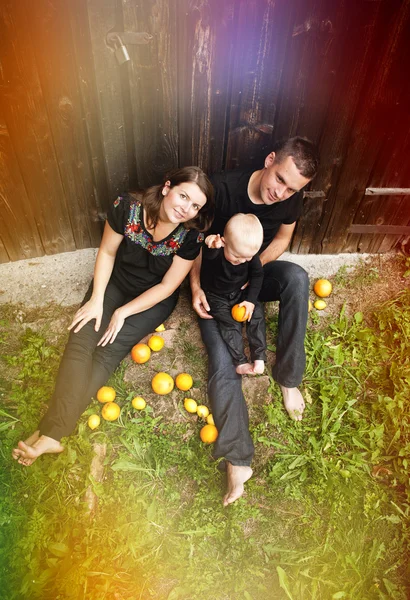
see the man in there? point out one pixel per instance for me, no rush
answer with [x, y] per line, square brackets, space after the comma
[274, 194]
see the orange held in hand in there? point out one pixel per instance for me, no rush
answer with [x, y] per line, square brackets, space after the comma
[322, 288]
[184, 382]
[162, 383]
[238, 313]
[156, 343]
[106, 394]
[111, 411]
[140, 353]
[208, 434]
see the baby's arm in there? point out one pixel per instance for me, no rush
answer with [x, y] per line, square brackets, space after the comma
[215, 241]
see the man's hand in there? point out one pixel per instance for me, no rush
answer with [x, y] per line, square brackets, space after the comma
[250, 307]
[215, 241]
[200, 304]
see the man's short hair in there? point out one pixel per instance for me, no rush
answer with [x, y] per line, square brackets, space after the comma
[304, 154]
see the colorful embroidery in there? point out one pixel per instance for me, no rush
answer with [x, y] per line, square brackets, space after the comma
[200, 238]
[117, 201]
[135, 232]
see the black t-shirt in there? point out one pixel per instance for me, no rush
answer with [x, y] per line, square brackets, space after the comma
[231, 197]
[220, 276]
[142, 263]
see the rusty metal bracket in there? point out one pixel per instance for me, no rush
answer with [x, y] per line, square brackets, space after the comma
[128, 37]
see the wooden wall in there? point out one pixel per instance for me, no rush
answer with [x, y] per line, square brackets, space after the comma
[216, 83]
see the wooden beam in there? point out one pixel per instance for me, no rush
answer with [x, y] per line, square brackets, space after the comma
[383, 229]
[387, 192]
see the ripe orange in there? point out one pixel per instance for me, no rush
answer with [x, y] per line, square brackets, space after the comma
[111, 411]
[322, 288]
[156, 342]
[162, 383]
[208, 434]
[202, 411]
[138, 403]
[140, 353]
[160, 327]
[184, 382]
[106, 394]
[190, 405]
[210, 420]
[93, 421]
[238, 313]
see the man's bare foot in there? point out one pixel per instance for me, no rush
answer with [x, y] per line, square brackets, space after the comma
[258, 367]
[237, 476]
[293, 401]
[26, 453]
[245, 369]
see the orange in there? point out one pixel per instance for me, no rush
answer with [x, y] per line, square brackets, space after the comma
[322, 288]
[106, 394]
[238, 313]
[160, 327]
[184, 382]
[208, 434]
[190, 405]
[156, 342]
[202, 411]
[162, 383]
[138, 403]
[210, 420]
[93, 421]
[111, 411]
[320, 304]
[140, 353]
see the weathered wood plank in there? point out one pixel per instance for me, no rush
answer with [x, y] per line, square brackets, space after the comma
[153, 87]
[391, 229]
[18, 231]
[53, 50]
[103, 17]
[80, 32]
[259, 50]
[27, 121]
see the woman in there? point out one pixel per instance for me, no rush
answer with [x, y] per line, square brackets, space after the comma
[149, 244]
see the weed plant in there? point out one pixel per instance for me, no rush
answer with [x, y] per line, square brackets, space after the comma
[326, 515]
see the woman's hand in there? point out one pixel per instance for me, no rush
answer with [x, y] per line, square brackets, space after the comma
[114, 327]
[93, 309]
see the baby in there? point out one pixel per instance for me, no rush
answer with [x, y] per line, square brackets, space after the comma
[228, 264]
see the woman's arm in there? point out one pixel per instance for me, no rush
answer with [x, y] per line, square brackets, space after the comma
[171, 280]
[102, 272]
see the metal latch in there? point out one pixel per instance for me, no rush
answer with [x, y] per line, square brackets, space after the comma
[118, 39]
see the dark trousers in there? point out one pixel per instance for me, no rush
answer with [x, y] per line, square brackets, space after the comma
[85, 367]
[288, 283]
[231, 330]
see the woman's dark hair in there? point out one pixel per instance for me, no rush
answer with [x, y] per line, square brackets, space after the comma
[152, 197]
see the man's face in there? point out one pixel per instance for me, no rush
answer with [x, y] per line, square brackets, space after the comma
[280, 180]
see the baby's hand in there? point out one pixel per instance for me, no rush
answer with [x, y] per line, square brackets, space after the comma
[250, 307]
[215, 241]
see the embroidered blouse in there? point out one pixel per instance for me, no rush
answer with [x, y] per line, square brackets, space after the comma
[142, 262]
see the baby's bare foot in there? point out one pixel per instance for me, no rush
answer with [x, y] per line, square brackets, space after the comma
[245, 369]
[258, 367]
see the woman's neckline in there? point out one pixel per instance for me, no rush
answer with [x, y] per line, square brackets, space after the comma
[150, 234]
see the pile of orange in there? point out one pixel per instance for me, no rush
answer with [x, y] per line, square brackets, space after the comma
[322, 289]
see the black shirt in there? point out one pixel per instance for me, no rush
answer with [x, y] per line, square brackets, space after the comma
[231, 197]
[140, 262]
[221, 277]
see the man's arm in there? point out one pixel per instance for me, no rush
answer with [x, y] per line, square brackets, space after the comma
[199, 301]
[279, 243]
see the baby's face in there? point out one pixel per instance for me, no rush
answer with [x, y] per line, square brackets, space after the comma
[236, 256]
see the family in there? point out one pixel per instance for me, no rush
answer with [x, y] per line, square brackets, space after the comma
[227, 233]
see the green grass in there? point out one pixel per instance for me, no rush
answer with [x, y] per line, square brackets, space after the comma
[326, 515]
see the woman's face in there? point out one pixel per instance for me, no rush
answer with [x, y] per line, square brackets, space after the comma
[181, 202]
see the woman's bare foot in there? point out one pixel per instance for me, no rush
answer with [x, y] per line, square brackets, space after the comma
[258, 367]
[245, 369]
[16, 453]
[294, 403]
[237, 476]
[36, 445]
